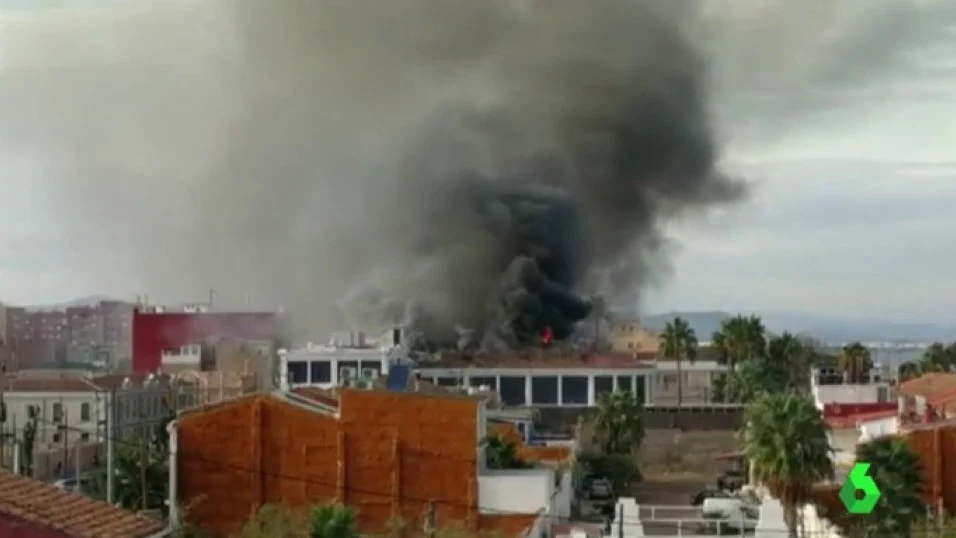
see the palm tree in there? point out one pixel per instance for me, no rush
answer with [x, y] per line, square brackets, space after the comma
[619, 423]
[785, 439]
[939, 358]
[740, 338]
[788, 351]
[678, 341]
[898, 471]
[855, 362]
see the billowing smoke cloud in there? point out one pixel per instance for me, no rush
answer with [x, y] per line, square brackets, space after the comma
[481, 164]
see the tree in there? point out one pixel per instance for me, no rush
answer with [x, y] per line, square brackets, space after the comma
[855, 362]
[30, 440]
[938, 358]
[739, 339]
[502, 453]
[898, 472]
[138, 457]
[785, 439]
[678, 341]
[795, 357]
[619, 423]
[333, 521]
[909, 370]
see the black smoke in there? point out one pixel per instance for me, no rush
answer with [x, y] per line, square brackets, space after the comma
[482, 166]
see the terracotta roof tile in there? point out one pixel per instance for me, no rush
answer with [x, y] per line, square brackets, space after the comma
[72, 513]
[48, 384]
[928, 384]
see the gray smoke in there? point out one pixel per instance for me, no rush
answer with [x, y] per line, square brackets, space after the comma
[487, 164]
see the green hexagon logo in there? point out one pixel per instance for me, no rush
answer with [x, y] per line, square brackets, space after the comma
[858, 480]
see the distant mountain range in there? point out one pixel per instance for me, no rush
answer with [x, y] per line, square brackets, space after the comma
[91, 300]
[824, 328]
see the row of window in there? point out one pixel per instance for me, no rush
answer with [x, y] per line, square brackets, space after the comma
[320, 371]
[545, 389]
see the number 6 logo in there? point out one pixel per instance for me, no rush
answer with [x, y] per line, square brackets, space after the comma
[858, 480]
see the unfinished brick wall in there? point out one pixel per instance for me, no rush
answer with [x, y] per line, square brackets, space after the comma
[530, 453]
[387, 456]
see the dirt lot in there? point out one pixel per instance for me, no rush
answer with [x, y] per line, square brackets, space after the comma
[682, 456]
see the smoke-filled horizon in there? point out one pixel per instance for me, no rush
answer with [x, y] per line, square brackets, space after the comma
[478, 164]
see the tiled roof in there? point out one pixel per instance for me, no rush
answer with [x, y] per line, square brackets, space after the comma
[72, 513]
[850, 421]
[48, 384]
[506, 525]
[542, 359]
[928, 384]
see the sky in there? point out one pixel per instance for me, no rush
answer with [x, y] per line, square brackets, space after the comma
[848, 147]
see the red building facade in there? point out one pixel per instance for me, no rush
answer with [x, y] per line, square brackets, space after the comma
[154, 332]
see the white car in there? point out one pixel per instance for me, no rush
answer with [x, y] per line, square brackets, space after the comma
[601, 488]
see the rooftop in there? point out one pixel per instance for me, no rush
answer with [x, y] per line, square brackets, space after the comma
[928, 384]
[72, 382]
[76, 515]
[538, 358]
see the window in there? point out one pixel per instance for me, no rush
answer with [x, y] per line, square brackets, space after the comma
[298, 372]
[602, 385]
[625, 383]
[574, 390]
[85, 412]
[320, 372]
[84, 437]
[56, 439]
[512, 390]
[446, 381]
[484, 381]
[57, 412]
[3, 412]
[371, 365]
[544, 390]
[641, 389]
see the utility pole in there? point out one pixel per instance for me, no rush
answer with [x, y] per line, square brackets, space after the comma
[110, 449]
[143, 460]
[64, 429]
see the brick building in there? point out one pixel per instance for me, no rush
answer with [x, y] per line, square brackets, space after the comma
[385, 453]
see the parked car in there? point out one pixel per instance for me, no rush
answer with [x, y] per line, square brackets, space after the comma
[732, 514]
[731, 480]
[600, 488]
[709, 492]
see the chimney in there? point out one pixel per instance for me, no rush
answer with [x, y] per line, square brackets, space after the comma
[396, 337]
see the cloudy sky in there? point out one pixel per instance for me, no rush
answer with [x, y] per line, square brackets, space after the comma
[842, 114]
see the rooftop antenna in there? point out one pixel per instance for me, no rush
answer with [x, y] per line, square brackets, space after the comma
[212, 296]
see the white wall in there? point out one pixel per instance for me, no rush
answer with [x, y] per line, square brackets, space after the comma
[873, 429]
[562, 496]
[817, 526]
[515, 490]
[824, 394]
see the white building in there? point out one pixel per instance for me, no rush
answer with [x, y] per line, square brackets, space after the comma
[831, 387]
[345, 358]
[72, 408]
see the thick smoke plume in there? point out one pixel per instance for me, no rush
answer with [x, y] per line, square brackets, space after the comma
[481, 165]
